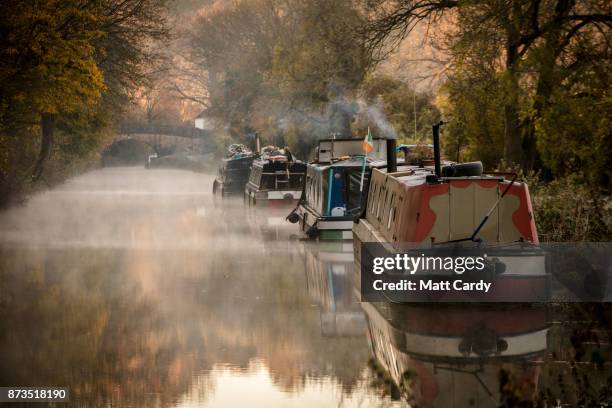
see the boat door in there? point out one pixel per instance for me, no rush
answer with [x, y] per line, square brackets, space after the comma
[336, 205]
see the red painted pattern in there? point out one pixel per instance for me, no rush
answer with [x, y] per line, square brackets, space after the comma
[427, 216]
[409, 229]
[523, 217]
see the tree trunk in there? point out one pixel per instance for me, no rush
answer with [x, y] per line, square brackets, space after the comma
[529, 147]
[512, 139]
[512, 130]
[547, 80]
[47, 124]
[512, 126]
[541, 98]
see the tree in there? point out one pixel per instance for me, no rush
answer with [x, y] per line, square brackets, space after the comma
[60, 58]
[289, 69]
[48, 65]
[392, 101]
[520, 32]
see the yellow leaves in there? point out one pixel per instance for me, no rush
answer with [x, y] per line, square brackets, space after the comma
[50, 44]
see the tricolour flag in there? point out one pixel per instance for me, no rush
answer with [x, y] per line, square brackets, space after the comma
[368, 143]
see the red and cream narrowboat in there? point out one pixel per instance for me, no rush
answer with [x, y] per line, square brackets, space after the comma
[457, 205]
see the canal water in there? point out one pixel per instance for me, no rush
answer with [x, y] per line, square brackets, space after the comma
[134, 288]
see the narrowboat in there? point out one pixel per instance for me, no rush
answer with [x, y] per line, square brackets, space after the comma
[276, 178]
[438, 356]
[335, 186]
[457, 206]
[234, 171]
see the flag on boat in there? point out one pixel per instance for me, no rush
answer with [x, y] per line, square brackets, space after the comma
[368, 143]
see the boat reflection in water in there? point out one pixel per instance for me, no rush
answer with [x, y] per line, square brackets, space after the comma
[329, 273]
[461, 355]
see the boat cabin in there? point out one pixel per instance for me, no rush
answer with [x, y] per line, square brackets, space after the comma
[335, 187]
[410, 207]
[437, 204]
[336, 190]
[234, 170]
[276, 178]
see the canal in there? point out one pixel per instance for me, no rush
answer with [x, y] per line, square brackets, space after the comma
[134, 288]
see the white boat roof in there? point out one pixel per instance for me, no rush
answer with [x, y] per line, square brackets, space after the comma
[332, 149]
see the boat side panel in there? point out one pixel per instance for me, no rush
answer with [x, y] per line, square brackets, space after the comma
[421, 212]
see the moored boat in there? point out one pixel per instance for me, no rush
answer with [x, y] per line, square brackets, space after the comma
[335, 187]
[457, 205]
[276, 178]
[233, 171]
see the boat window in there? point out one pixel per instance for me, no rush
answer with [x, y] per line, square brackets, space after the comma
[385, 205]
[256, 175]
[391, 217]
[313, 187]
[377, 204]
[355, 197]
[309, 189]
[317, 192]
[372, 198]
[388, 207]
[378, 198]
[383, 193]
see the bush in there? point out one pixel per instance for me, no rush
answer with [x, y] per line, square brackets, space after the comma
[566, 210]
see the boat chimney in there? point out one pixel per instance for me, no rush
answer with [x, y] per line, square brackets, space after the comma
[436, 146]
[391, 156]
[257, 144]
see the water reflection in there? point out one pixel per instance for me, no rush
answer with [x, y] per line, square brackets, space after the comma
[458, 355]
[132, 288]
[329, 277]
[492, 355]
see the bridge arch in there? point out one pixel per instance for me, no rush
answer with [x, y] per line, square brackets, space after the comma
[162, 137]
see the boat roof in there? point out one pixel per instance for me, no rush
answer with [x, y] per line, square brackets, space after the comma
[239, 157]
[265, 163]
[332, 149]
[415, 175]
[350, 162]
[357, 161]
[411, 146]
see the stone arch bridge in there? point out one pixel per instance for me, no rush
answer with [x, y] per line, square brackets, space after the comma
[168, 137]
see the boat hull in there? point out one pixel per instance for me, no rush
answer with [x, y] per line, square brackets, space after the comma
[524, 280]
[316, 226]
[221, 189]
[270, 198]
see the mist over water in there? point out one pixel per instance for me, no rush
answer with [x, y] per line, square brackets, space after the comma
[133, 287]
